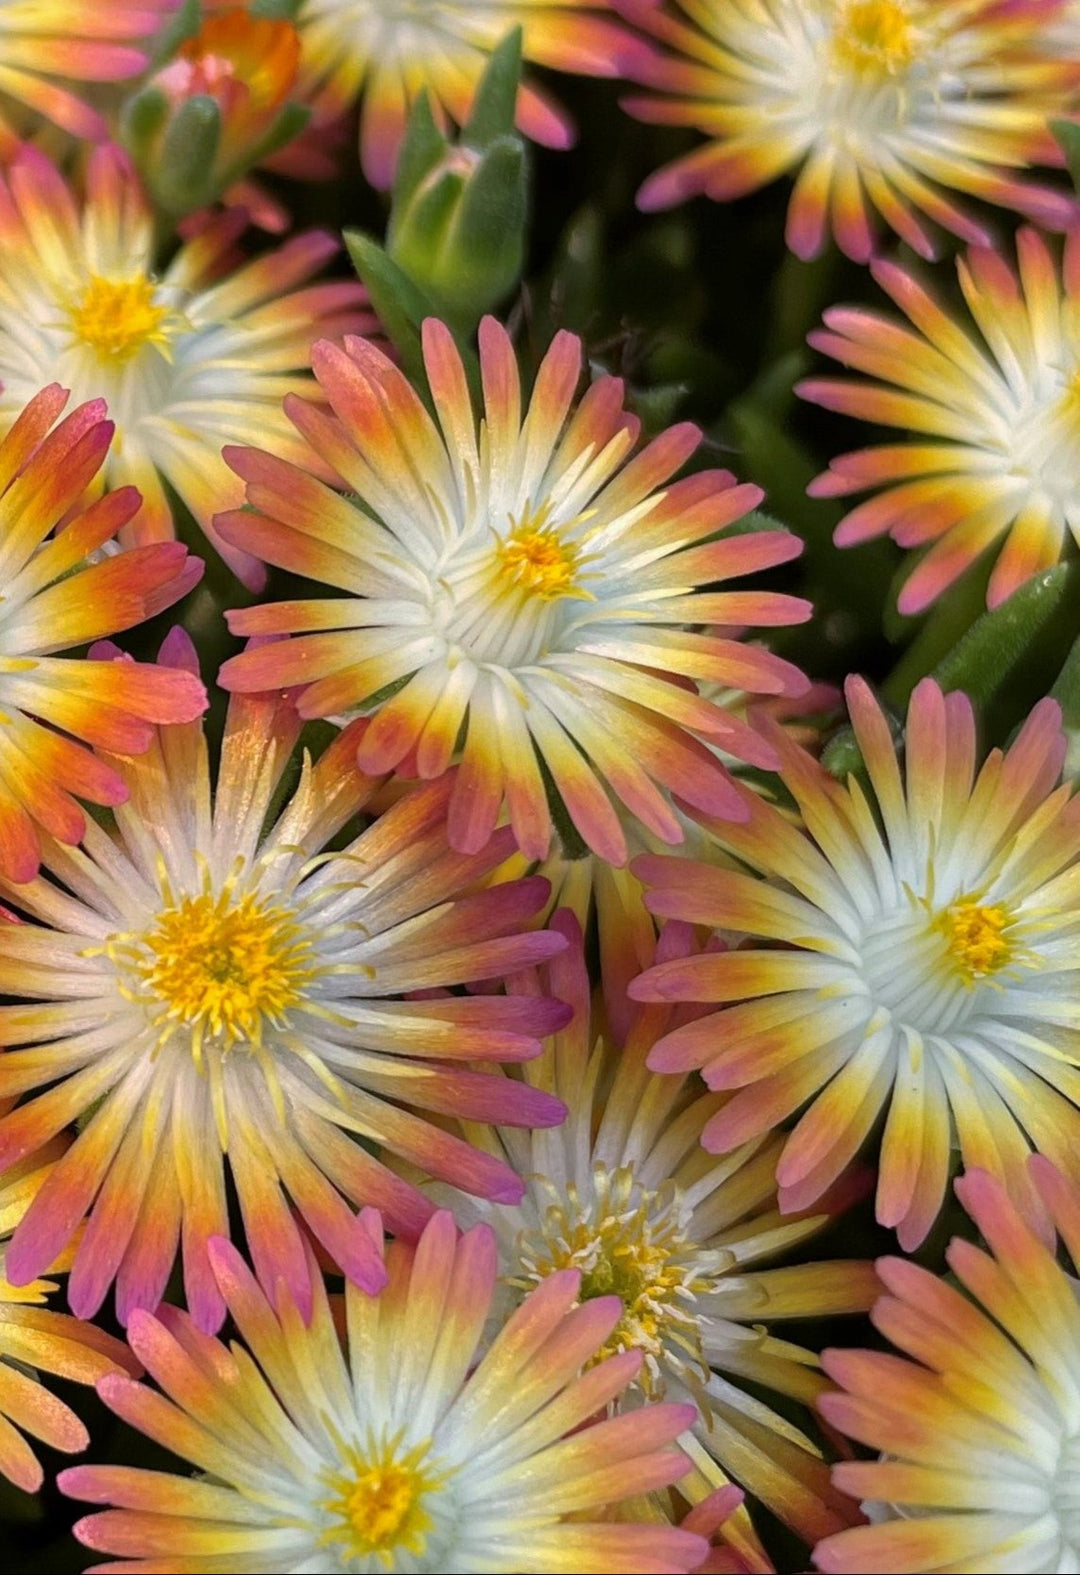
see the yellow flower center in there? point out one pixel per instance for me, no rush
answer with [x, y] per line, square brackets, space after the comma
[977, 939]
[223, 967]
[535, 558]
[875, 36]
[630, 1243]
[116, 317]
[379, 1503]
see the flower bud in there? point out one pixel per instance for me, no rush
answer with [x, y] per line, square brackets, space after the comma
[457, 225]
[218, 107]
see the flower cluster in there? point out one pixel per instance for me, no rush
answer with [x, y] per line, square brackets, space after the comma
[486, 985]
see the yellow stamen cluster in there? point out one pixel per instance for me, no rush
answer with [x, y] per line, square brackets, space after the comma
[221, 965]
[535, 558]
[378, 1503]
[875, 36]
[117, 317]
[631, 1243]
[978, 943]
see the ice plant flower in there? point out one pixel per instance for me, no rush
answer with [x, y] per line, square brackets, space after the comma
[921, 961]
[891, 107]
[46, 45]
[35, 1339]
[187, 361]
[996, 457]
[978, 1420]
[530, 589]
[397, 1453]
[56, 596]
[196, 984]
[622, 1192]
[386, 54]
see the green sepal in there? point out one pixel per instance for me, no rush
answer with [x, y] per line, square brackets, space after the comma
[400, 303]
[422, 148]
[495, 104]
[1066, 690]
[982, 660]
[487, 238]
[183, 176]
[141, 120]
[938, 630]
[416, 239]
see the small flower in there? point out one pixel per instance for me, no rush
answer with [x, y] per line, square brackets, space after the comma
[998, 418]
[928, 965]
[56, 596]
[34, 1339]
[187, 361]
[622, 1193]
[886, 106]
[530, 589]
[387, 53]
[980, 1429]
[195, 985]
[397, 1453]
[45, 46]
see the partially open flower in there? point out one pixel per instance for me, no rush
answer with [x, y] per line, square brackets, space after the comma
[223, 104]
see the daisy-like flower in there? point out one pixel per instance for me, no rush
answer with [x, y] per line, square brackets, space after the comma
[928, 964]
[623, 1193]
[529, 588]
[886, 106]
[47, 44]
[53, 599]
[997, 416]
[388, 53]
[187, 361]
[980, 1429]
[398, 1453]
[35, 1339]
[198, 984]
